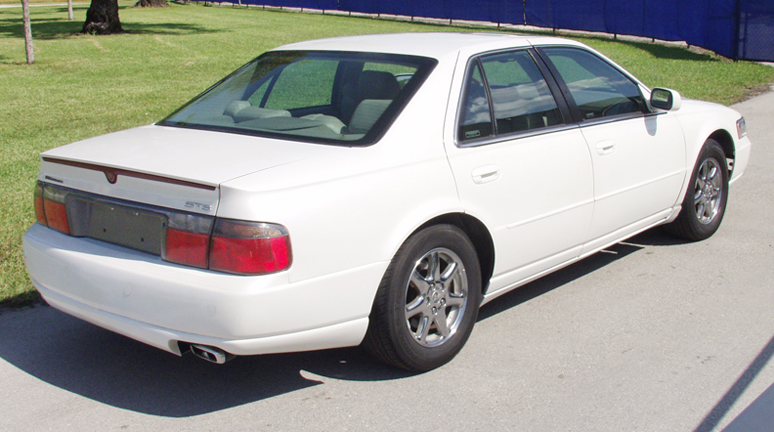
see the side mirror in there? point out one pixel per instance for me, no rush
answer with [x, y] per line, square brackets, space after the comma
[665, 99]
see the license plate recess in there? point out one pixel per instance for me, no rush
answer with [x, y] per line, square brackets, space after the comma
[135, 228]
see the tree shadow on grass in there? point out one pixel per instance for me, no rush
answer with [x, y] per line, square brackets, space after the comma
[167, 28]
[61, 28]
[656, 49]
[42, 29]
[673, 53]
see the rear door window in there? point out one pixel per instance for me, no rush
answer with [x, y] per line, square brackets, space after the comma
[476, 120]
[506, 93]
[520, 96]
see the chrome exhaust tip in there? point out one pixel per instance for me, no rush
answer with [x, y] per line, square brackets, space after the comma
[210, 354]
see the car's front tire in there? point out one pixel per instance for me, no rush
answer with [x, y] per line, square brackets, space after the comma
[705, 200]
[427, 302]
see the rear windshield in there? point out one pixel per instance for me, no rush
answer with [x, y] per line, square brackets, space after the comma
[326, 97]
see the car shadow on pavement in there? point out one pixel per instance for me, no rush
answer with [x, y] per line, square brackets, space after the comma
[654, 237]
[568, 274]
[109, 368]
[657, 236]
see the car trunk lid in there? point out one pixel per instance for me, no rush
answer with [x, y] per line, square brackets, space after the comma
[164, 166]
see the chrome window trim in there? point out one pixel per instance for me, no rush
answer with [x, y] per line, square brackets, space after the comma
[517, 135]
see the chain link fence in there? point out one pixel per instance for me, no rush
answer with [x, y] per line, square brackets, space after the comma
[756, 30]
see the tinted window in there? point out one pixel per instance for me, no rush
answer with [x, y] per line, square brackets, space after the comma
[475, 119]
[305, 83]
[598, 88]
[511, 87]
[520, 96]
[310, 96]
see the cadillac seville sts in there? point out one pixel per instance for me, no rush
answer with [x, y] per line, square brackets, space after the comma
[372, 190]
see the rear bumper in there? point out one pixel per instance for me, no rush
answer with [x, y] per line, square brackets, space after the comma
[338, 335]
[158, 303]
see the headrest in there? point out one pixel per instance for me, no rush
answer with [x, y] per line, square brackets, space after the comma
[236, 106]
[366, 114]
[377, 85]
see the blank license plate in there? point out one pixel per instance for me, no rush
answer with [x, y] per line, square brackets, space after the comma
[128, 227]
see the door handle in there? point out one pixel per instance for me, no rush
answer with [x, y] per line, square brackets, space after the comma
[606, 147]
[485, 174]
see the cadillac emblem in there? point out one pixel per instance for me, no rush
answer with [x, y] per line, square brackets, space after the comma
[111, 176]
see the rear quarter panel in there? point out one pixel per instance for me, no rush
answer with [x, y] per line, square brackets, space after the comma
[356, 206]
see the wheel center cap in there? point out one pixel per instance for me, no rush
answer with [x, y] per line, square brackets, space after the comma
[436, 296]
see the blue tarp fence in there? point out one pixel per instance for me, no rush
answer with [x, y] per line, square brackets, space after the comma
[739, 29]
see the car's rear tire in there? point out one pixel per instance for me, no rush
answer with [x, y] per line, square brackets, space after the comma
[705, 200]
[427, 302]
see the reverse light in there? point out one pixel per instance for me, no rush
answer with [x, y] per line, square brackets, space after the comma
[249, 247]
[40, 211]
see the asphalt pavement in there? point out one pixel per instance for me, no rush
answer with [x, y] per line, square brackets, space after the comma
[650, 335]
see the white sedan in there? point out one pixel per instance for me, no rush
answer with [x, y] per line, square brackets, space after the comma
[372, 190]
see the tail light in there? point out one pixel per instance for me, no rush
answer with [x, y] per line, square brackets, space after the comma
[225, 245]
[187, 239]
[249, 247]
[50, 209]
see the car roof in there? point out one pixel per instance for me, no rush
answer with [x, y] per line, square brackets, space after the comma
[436, 44]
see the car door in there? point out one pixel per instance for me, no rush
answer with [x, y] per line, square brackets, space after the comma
[521, 166]
[638, 156]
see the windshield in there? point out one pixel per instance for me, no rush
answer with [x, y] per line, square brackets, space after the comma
[327, 97]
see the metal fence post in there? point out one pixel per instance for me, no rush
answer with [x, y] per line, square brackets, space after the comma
[737, 19]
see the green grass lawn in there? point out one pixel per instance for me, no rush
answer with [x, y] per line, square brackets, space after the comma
[82, 86]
